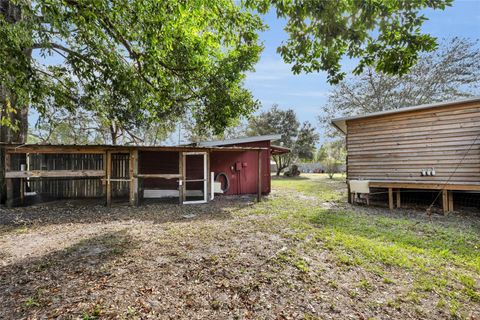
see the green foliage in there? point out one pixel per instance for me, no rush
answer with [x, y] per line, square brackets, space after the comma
[332, 155]
[306, 140]
[31, 302]
[133, 61]
[383, 34]
[301, 140]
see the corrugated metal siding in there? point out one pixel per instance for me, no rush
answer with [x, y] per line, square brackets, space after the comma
[397, 147]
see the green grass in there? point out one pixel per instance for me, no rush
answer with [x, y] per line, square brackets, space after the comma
[441, 258]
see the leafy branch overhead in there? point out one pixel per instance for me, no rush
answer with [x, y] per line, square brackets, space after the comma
[151, 58]
[383, 34]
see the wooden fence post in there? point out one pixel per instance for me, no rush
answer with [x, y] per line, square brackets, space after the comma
[181, 180]
[108, 173]
[259, 190]
[133, 173]
[390, 198]
[445, 201]
[8, 181]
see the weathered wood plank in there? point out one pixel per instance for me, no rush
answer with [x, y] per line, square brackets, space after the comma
[54, 173]
[422, 185]
[159, 175]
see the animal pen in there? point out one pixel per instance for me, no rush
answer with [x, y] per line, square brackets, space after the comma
[135, 173]
[434, 147]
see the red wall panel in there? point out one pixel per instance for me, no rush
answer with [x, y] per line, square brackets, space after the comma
[243, 181]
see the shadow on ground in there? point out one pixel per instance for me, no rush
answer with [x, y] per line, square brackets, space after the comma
[62, 279]
[64, 212]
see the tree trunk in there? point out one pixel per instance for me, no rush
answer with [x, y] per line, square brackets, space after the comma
[12, 14]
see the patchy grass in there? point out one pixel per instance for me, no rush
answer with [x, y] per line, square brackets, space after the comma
[442, 259]
[302, 253]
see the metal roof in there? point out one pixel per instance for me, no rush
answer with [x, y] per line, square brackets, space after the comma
[59, 148]
[271, 137]
[341, 123]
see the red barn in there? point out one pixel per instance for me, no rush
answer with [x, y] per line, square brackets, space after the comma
[133, 173]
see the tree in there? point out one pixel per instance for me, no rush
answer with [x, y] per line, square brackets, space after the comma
[306, 140]
[82, 127]
[383, 35]
[332, 155]
[144, 57]
[136, 61]
[301, 141]
[194, 131]
[452, 72]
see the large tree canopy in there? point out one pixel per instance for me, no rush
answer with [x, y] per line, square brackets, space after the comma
[131, 59]
[383, 34]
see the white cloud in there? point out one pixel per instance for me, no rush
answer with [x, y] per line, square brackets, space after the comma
[309, 93]
[270, 69]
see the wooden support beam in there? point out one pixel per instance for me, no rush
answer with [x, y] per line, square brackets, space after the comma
[419, 185]
[209, 182]
[390, 198]
[450, 201]
[181, 177]
[259, 182]
[350, 196]
[54, 173]
[133, 174]
[158, 176]
[445, 201]
[8, 181]
[399, 200]
[108, 173]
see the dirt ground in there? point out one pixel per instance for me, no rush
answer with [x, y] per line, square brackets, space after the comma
[230, 259]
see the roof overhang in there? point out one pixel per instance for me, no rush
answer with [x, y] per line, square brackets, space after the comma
[341, 123]
[278, 150]
[270, 137]
[75, 148]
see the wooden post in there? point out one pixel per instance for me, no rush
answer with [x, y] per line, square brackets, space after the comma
[208, 191]
[133, 177]
[399, 201]
[108, 173]
[350, 197]
[450, 201]
[445, 201]
[259, 176]
[390, 198]
[181, 180]
[8, 182]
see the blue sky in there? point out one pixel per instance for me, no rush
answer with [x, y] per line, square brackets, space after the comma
[272, 82]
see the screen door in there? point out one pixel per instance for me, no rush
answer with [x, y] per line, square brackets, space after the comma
[196, 177]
